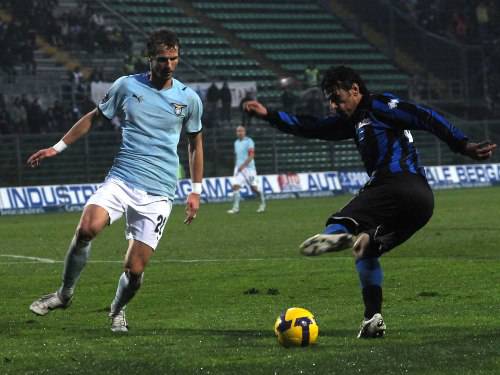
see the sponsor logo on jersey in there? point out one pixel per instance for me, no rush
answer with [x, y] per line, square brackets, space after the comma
[139, 98]
[178, 108]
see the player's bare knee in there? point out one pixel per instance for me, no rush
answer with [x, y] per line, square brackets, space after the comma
[86, 232]
[135, 265]
[361, 246]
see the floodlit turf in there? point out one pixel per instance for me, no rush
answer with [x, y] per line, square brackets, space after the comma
[442, 296]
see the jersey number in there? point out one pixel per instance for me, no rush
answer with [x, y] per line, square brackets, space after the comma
[161, 223]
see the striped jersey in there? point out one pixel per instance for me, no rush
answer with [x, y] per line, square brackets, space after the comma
[380, 127]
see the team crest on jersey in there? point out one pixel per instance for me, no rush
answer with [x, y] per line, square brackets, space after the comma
[393, 103]
[178, 108]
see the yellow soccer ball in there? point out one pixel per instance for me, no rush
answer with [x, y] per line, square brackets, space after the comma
[296, 327]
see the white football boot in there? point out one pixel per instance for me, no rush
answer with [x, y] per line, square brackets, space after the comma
[233, 211]
[262, 208]
[52, 301]
[372, 328]
[326, 243]
[119, 322]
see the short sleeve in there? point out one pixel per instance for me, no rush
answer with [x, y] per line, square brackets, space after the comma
[112, 101]
[193, 122]
[251, 144]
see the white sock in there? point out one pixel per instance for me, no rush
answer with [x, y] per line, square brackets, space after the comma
[262, 198]
[75, 261]
[128, 285]
[236, 200]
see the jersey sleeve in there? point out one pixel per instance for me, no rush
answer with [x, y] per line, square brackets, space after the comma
[330, 128]
[193, 121]
[251, 144]
[405, 115]
[113, 100]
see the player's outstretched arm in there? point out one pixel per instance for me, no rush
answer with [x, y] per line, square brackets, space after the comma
[255, 108]
[479, 151]
[331, 128]
[195, 152]
[78, 130]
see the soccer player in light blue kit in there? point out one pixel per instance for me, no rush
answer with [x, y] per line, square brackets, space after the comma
[244, 170]
[142, 181]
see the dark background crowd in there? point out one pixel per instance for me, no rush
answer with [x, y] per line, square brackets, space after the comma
[467, 21]
[82, 30]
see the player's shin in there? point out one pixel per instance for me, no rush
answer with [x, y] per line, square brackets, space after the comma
[371, 277]
[75, 261]
[128, 285]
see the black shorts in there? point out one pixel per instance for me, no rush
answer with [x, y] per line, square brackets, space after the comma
[390, 209]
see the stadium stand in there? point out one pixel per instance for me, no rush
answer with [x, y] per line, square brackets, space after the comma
[203, 49]
[299, 33]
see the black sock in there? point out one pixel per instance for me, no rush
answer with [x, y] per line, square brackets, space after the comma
[372, 297]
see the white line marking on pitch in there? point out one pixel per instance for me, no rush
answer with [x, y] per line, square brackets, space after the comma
[37, 259]
[34, 260]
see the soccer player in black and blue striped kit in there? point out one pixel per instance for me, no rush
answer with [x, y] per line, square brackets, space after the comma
[397, 200]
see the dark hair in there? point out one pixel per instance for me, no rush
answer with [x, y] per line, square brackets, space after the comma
[342, 77]
[161, 38]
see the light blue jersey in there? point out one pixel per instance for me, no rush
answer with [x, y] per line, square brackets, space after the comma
[151, 130]
[241, 149]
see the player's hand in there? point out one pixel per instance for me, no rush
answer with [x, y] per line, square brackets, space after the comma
[35, 159]
[192, 206]
[480, 151]
[256, 108]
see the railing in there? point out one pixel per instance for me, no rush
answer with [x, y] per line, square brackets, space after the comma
[89, 159]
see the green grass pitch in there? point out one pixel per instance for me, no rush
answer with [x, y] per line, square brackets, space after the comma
[192, 316]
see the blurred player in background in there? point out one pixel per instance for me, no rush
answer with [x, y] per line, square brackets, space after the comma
[142, 181]
[244, 170]
[397, 200]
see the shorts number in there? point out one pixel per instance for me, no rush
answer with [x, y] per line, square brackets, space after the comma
[161, 223]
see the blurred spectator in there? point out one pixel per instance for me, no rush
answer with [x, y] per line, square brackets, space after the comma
[37, 119]
[311, 75]
[18, 116]
[225, 96]
[212, 101]
[288, 100]
[58, 117]
[5, 127]
[483, 21]
[97, 75]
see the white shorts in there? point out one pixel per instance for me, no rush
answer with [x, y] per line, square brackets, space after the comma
[246, 176]
[145, 214]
